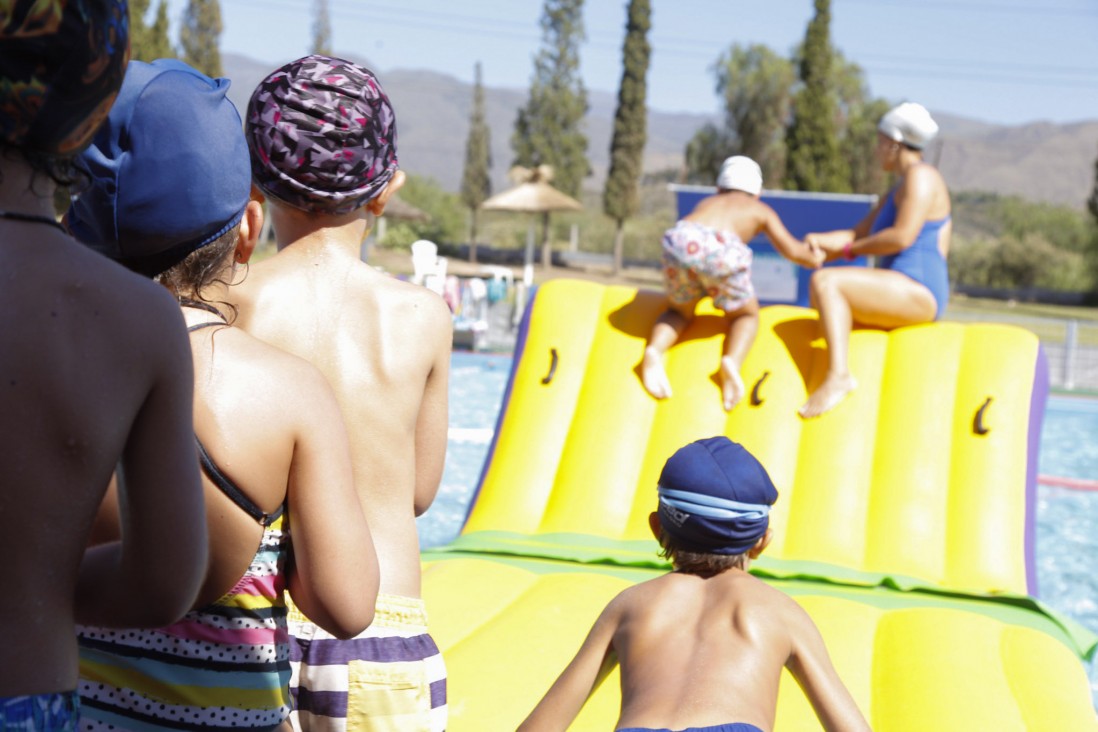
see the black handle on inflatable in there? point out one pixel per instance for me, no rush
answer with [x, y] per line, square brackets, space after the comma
[552, 366]
[756, 400]
[978, 422]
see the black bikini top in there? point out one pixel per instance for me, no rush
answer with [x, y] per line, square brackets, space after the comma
[222, 481]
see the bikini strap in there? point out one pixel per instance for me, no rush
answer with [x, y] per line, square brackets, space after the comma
[231, 491]
[208, 324]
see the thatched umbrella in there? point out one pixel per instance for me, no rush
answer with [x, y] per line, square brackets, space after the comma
[533, 194]
[398, 208]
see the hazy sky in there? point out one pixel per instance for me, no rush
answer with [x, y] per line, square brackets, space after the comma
[1003, 61]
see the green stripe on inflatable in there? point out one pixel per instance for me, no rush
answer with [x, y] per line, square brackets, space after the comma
[637, 560]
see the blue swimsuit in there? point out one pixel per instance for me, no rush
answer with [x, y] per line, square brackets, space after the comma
[922, 261]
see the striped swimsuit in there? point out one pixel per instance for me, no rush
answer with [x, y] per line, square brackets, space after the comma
[223, 666]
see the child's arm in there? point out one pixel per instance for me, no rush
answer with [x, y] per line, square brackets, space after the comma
[812, 668]
[437, 326]
[788, 245]
[334, 579]
[594, 660]
[137, 579]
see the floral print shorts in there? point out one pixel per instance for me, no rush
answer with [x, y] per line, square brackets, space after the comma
[700, 261]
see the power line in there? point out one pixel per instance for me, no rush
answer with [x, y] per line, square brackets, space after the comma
[670, 46]
[1030, 9]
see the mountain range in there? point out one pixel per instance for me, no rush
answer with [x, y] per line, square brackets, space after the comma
[1040, 161]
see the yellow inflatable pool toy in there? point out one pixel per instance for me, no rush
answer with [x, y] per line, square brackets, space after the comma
[904, 524]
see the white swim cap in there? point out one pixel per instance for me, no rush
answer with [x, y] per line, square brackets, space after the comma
[739, 173]
[909, 124]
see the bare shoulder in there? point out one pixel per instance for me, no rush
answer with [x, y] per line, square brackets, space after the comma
[922, 178]
[290, 377]
[764, 212]
[141, 309]
[414, 304]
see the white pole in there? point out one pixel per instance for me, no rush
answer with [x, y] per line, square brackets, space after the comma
[1071, 348]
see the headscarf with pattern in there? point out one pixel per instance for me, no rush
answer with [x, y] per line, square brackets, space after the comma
[61, 64]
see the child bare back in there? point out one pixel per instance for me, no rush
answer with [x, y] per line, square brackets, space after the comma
[703, 647]
[96, 375]
[384, 346]
[706, 254]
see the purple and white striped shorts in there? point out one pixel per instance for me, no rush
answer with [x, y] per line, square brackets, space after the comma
[389, 677]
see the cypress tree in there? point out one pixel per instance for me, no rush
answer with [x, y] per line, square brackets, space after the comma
[1092, 202]
[148, 43]
[201, 35]
[547, 129]
[476, 183]
[139, 30]
[619, 199]
[159, 45]
[322, 29]
[814, 161]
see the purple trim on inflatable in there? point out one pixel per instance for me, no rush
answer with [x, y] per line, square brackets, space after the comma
[516, 358]
[1038, 400]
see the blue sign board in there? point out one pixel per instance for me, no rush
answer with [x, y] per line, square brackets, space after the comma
[776, 279]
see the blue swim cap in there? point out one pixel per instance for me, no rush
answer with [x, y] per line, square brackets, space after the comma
[170, 170]
[715, 497]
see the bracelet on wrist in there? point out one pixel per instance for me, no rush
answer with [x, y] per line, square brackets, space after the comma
[848, 252]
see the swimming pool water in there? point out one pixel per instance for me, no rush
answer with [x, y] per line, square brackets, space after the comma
[1067, 520]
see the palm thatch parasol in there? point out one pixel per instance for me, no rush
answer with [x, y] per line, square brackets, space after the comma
[399, 209]
[533, 194]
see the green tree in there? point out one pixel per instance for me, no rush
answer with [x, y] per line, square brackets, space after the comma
[1092, 202]
[814, 161]
[705, 152]
[322, 29]
[1092, 206]
[620, 196]
[755, 84]
[476, 180]
[139, 29]
[200, 36]
[859, 113]
[148, 43]
[446, 215]
[159, 45]
[548, 129]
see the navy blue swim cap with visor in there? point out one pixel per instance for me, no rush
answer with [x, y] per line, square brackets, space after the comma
[715, 497]
[170, 170]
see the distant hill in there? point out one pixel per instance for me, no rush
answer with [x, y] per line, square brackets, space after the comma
[1042, 161]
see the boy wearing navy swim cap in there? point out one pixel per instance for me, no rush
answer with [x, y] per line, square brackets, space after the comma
[702, 648]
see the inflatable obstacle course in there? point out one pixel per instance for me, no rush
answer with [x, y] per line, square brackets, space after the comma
[904, 524]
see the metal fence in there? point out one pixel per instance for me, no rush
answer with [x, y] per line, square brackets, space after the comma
[1070, 345]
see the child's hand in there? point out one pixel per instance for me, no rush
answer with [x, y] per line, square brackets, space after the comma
[830, 244]
[812, 256]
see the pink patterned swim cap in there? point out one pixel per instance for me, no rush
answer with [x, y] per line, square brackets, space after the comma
[322, 135]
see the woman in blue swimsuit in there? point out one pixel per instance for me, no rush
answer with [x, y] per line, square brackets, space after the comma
[909, 230]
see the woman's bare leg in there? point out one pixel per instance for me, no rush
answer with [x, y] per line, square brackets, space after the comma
[665, 333]
[877, 297]
[743, 325]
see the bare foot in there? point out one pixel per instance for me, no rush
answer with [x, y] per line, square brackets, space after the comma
[653, 374]
[828, 395]
[732, 388]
